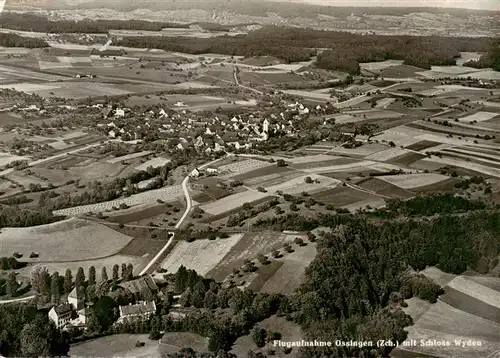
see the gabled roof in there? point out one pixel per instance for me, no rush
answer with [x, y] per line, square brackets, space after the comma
[77, 293]
[140, 285]
[63, 309]
[137, 309]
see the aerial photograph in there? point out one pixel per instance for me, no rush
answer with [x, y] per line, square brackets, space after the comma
[250, 178]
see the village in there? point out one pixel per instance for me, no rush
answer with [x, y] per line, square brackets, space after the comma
[209, 185]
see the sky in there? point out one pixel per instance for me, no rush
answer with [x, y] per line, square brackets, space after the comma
[465, 4]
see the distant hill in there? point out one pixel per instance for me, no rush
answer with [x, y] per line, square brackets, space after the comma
[244, 7]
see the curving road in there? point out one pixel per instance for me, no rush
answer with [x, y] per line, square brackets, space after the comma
[18, 300]
[189, 204]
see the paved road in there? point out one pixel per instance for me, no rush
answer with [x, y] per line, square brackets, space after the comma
[237, 81]
[18, 300]
[189, 204]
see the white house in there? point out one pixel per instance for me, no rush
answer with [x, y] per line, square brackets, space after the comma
[76, 298]
[137, 311]
[265, 126]
[119, 113]
[195, 173]
[61, 315]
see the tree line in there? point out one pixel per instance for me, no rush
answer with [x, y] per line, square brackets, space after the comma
[14, 40]
[31, 22]
[345, 50]
[490, 59]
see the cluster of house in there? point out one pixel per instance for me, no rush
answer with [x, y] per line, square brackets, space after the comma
[204, 134]
[76, 312]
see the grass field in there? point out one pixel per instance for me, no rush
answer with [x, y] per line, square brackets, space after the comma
[172, 342]
[468, 310]
[289, 332]
[231, 202]
[248, 247]
[342, 196]
[199, 255]
[119, 345]
[410, 181]
[142, 247]
[291, 273]
[68, 240]
[240, 167]
[268, 170]
[136, 213]
[385, 188]
[298, 185]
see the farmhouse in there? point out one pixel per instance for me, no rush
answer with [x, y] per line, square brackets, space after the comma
[73, 313]
[144, 286]
[195, 173]
[61, 315]
[140, 310]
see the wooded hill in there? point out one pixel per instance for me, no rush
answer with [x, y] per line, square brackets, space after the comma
[346, 50]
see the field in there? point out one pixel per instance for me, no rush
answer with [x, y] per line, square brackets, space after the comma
[290, 332]
[384, 188]
[172, 342]
[294, 266]
[232, 202]
[468, 310]
[119, 345]
[68, 240]
[342, 196]
[248, 247]
[199, 255]
[241, 167]
[410, 181]
[169, 193]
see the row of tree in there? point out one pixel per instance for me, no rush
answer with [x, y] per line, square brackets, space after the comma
[14, 40]
[31, 22]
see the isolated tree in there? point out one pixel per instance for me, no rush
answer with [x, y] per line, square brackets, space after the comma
[259, 336]
[91, 280]
[11, 284]
[68, 281]
[115, 273]
[104, 274]
[55, 289]
[80, 277]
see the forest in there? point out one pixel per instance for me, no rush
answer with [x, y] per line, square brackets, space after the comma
[13, 40]
[345, 52]
[31, 22]
[490, 59]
